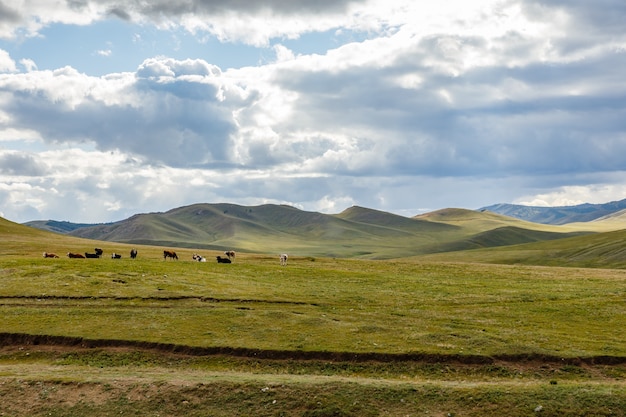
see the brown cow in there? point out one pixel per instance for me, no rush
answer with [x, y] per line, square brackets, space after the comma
[74, 255]
[50, 255]
[169, 254]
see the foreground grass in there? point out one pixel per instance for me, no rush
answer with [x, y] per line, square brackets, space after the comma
[38, 381]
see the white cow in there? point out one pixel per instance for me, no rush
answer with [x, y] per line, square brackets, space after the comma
[283, 259]
[198, 258]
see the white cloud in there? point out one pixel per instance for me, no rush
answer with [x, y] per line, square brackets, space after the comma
[6, 63]
[444, 104]
[574, 195]
[28, 64]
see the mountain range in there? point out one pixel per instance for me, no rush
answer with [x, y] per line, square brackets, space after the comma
[356, 232]
[559, 215]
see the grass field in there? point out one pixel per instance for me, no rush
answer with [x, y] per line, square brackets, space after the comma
[319, 337]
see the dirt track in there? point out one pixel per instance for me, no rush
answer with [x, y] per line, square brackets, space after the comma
[37, 379]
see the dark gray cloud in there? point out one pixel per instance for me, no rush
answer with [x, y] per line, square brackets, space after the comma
[563, 117]
[168, 130]
[8, 15]
[588, 23]
[600, 15]
[20, 164]
[119, 13]
[160, 8]
[176, 121]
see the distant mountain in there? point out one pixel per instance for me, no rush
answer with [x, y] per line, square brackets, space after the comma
[558, 215]
[356, 232]
[57, 226]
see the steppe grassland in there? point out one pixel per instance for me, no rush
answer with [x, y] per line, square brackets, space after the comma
[312, 304]
[318, 304]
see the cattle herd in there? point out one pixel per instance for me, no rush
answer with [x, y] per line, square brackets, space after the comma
[97, 253]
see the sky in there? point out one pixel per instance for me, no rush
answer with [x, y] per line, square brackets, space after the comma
[110, 108]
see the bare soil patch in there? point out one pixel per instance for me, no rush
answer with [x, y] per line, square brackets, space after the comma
[37, 379]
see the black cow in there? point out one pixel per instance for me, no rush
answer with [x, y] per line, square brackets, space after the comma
[133, 253]
[91, 255]
[98, 251]
[221, 260]
[116, 256]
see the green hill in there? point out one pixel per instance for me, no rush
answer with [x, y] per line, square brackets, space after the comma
[356, 232]
[57, 226]
[446, 235]
[481, 221]
[274, 228]
[18, 239]
[598, 250]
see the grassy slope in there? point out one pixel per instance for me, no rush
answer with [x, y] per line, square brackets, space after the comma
[274, 229]
[601, 250]
[356, 232]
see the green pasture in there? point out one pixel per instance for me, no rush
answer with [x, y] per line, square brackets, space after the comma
[320, 304]
[512, 315]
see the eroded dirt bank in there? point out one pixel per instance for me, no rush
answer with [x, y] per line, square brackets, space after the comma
[63, 376]
[19, 339]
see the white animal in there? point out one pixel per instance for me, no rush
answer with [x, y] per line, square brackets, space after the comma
[283, 259]
[198, 258]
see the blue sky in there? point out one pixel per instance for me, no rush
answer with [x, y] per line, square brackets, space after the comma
[113, 45]
[108, 108]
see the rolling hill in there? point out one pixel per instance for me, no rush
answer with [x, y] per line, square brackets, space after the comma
[356, 232]
[599, 250]
[445, 235]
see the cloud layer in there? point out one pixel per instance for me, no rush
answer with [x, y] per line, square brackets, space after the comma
[463, 105]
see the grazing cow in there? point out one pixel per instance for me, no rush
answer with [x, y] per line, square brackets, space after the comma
[133, 253]
[283, 259]
[230, 254]
[198, 258]
[221, 260]
[50, 255]
[74, 255]
[169, 254]
[98, 251]
[91, 255]
[116, 256]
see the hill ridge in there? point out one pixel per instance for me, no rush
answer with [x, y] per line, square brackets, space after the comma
[558, 215]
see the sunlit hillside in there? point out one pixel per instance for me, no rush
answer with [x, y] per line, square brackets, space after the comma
[598, 250]
[357, 232]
